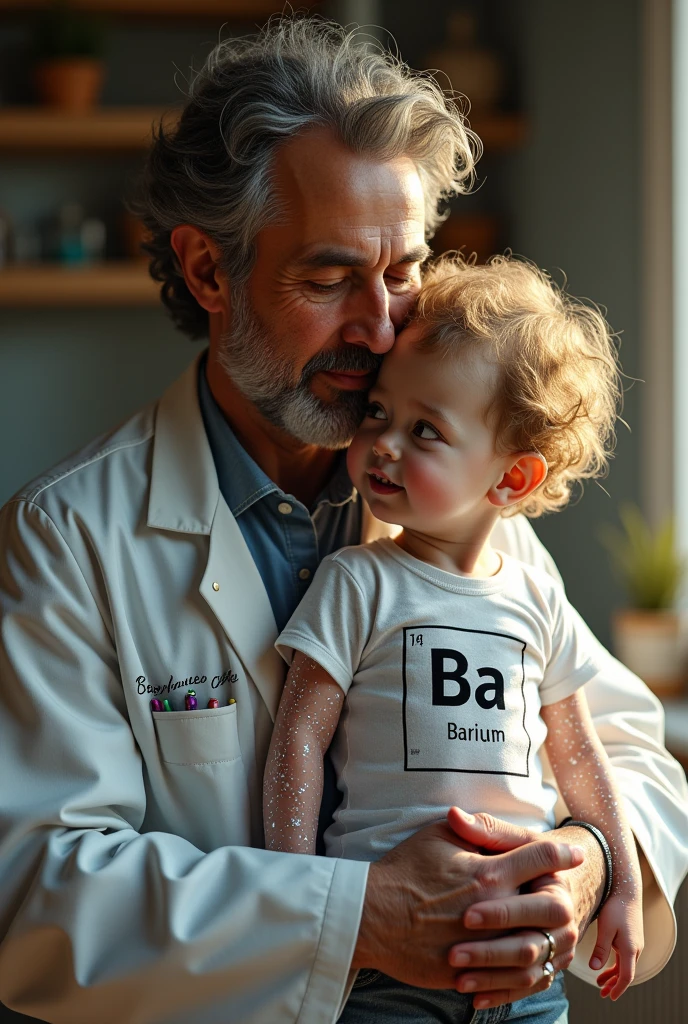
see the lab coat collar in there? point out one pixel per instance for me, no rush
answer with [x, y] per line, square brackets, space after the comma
[184, 490]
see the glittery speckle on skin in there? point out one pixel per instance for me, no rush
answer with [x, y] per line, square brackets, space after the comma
[307, 718]
[587, 783]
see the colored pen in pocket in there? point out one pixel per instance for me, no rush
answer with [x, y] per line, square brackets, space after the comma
[155, 704]
[190, 702]
[166, 705]
[213, 702]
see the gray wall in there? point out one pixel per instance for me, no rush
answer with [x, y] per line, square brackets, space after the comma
[66, 377]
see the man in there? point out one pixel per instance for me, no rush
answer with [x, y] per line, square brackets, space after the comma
[288, 215]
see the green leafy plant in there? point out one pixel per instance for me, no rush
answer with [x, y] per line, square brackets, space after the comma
[646, 561]
[63, 32]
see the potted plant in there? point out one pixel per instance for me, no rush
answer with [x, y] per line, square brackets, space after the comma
[69, 69]
[649, 636]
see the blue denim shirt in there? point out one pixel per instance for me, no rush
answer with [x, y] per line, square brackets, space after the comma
[287, 541]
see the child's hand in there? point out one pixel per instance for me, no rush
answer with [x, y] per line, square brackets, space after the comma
[620, 925]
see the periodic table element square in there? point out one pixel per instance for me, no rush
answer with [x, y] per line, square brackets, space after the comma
[464, 701]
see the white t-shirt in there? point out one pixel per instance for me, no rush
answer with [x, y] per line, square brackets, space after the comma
[445, 676]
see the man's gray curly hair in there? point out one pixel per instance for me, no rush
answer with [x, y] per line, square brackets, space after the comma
[254, 93]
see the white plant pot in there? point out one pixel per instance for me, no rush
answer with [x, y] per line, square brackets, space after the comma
[654, 645]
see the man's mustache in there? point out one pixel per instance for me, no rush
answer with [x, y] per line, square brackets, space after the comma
[345, 360]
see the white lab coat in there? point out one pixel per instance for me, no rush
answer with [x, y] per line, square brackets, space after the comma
[133, 883]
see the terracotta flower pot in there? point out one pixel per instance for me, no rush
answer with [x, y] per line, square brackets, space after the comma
[654, 645]
[70, 83]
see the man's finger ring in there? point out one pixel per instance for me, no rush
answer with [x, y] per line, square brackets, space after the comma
[548, 972]
[552, 945]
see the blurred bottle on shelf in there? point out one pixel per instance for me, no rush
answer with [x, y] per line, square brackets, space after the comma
[68, 237]
[69, 248]
[93, 239]
[473, 70]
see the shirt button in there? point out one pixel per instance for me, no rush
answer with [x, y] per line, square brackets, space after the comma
[216, 586]
[285, 508]
[304, 574]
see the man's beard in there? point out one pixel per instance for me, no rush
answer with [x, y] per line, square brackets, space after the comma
[247, 357]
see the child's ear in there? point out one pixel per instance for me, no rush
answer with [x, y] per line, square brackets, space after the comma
[527, 471]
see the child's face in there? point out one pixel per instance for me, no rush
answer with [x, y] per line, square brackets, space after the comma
[424, 456]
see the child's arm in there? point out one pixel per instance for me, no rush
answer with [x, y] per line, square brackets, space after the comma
[587, 784]
[306, 720]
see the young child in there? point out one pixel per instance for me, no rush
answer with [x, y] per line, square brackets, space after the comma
[458, 662]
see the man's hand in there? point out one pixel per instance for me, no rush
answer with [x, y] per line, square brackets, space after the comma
[510, 968]
[418, 893]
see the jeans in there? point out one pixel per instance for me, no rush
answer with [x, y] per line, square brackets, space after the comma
[378, 999]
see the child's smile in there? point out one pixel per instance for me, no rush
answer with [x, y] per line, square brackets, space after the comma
[381, 484]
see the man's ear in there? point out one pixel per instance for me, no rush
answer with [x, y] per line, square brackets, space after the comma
[527, 470]
[199, 259]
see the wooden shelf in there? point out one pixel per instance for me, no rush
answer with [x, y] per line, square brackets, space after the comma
[221, 9]
[106, 284]
[107, 128]
[129, 128]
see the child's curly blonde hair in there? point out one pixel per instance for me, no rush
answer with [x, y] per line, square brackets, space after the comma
[559, 383]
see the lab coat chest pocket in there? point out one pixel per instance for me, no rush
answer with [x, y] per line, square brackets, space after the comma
[201, 759]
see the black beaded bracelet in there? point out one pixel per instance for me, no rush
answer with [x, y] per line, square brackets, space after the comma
[606, 853]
